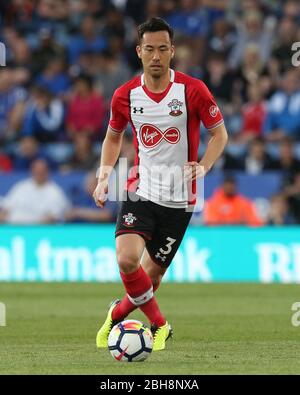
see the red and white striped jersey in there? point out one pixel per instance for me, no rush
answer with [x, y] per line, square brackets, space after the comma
[166, 134]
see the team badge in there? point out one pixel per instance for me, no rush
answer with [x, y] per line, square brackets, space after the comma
[213, 110]
[175, 107]
[151, 136]
[129, 219]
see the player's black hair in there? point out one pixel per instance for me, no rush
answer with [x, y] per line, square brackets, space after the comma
[155, 24]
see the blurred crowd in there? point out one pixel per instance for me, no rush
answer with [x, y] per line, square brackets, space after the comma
[65, 58]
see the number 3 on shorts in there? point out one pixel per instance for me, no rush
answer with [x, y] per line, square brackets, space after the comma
[168, 245]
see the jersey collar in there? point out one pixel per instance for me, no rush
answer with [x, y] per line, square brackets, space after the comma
[172, 77]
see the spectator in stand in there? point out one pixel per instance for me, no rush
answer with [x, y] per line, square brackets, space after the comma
[292, 192]
[87, 40]
[279, 211]
[286, 36]
[85, 64]
[12, 104]
[228, 207]
[20, 15]
[253, 113]
[270, 78]
[85, 113]
[21, 56]
[27, 151]
[54, 78]
[5, 163]
[185, 62]
[111, 73]
[137, 10]
[83, 157]
[287, 161]
[44, 116]
[118, 25]
[222, 38]
[226, 89]
[229, 162]
[218, 78]
[47, 50]
[189, 19]
[36, 200]
[250, 71]
[291, 10]
[84, 209]
[191, 23]
[252, 30]
[257, 160]
[283, 116]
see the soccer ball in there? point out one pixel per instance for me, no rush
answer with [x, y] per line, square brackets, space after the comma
[130, 341]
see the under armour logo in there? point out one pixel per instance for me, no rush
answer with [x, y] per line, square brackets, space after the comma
[140, 110]
[161, 257]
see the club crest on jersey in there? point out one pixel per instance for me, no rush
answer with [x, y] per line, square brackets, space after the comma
[129, 219]
[175, 106]
[151, 136]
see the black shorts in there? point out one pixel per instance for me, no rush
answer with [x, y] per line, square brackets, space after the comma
[161, 227]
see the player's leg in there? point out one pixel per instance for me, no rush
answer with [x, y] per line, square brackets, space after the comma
[154, 271]
[129, 250]
[138, 286]
[161, 250]
[136, 280]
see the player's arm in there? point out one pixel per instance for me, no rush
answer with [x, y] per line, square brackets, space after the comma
[213, 151]
[215, 147]
[110, 152]
[111, 146]
[212, 119]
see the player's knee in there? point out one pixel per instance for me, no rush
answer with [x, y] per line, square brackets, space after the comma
[128, 263]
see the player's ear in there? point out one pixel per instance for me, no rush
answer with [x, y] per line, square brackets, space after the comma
[172, 51]
[138, 51]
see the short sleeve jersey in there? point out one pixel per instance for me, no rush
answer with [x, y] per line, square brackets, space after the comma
[166, 134]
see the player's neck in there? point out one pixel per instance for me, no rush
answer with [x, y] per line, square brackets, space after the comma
[157, 85]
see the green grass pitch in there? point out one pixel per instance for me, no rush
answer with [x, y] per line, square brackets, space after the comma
[218, 329]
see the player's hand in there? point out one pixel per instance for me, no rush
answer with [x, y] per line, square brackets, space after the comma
[100, 193]
[193, 170]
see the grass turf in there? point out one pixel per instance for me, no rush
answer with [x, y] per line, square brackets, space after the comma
[219, 329]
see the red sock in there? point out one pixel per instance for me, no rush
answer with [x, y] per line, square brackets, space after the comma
[138, 285]
[152, 312]
[125, 307]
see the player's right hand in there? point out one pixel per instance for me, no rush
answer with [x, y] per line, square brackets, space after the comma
[100, 193]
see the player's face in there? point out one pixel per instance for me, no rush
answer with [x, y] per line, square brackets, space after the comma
[156, 52]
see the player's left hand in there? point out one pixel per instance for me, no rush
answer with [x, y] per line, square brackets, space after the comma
[193, 170]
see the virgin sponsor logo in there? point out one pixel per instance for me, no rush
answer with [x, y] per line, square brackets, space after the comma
[151, 136]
